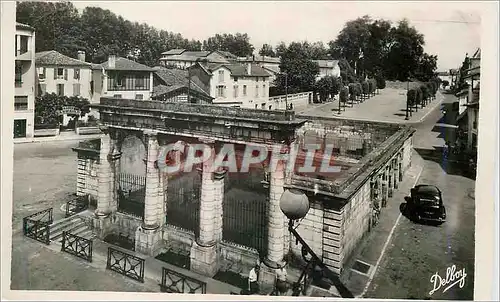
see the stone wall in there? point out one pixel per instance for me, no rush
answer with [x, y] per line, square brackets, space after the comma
[333, 224]
[86, 183]
[311, 230]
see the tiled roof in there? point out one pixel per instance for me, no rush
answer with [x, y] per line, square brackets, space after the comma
[52, 57]
[173, 52]
[274, 69]
[179, 77]
[24, 26]
[227, 54]
[239, 70]
[190, 56]
[265, 59]
[327, 63]
[123, 64]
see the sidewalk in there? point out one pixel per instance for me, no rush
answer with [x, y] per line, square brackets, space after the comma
[386, 107]
[152, 270]
[63, 136]
[373, 246]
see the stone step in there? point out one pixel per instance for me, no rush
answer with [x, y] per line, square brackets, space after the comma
[73, 228]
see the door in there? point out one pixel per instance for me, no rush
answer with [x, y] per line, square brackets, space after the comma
[19, 128]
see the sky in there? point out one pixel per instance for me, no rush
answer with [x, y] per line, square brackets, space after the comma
[451, 29]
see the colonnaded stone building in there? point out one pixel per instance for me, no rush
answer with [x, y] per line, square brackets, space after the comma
[216, 219]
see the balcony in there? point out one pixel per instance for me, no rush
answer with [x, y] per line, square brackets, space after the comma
[23, 55]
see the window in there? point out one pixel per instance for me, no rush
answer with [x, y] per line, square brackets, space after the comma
[76, 74]
[58, 73]
[257, 91]
[19, 73]
[42, 89]
[236, 79]
[139, 82]
[221, 91]
[244, 90]
[60, 89]
[24, 45]
[20, 103]
[263, 90]
[76, 89]
[119, 80]
[139, 96]
[221, 76]
[235, 90]
[41, 73]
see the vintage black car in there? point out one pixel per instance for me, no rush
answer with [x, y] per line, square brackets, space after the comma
[426, 204]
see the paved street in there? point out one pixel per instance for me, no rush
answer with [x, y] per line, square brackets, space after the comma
[416, 251]
[389, 105]
[45, 175]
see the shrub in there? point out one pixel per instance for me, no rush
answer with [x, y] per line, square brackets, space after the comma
[344, 94]
[380, 82]
[425, 92]
[352, 91]
[366, 87]
[359, 89]
[411, 97]
[419, 96]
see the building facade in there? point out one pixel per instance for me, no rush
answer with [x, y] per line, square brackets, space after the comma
[62, 75]
[328, 68]
[121, 78]
[220, 221]
[183, 59]
[236, 84]
[24, 82]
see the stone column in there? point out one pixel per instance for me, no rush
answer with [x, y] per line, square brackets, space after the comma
[105, 177]
[400, 167]
[390, 179]
[219, 179]
[396, 173]
[204, 249]
[276, 226]
[384, 187]
[148, 237]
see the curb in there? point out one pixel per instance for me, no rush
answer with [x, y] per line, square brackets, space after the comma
[55, 139]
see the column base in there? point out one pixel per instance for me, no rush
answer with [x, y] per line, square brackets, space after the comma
[204, 259]
[103, 224]
[149, 241]
[267, 273]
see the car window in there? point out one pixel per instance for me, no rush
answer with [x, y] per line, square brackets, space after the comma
[426, 201]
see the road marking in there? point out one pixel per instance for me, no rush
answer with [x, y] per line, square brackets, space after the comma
[374, 268]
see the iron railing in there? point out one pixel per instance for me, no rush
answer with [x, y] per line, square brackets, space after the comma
[183, 195]
[77, 246]
[131, 194]
[125, 264]
[76, 205]
[175, 282]
[37, 226]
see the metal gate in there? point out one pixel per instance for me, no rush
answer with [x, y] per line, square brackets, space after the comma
[245, 210]
[183, 201]
[131, 194]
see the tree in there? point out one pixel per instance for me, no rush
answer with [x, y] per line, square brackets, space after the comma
[404, 55]
[267, 50]
[346, 72]
[351, 42]
[365, 86]
[238, 44]
[353, 92]
[318, 51]
[48, 106]
[426, 68]
[280, 49]
[411, 98]
[326, 86]
[425, 94]
[297, 69]
[380, 81]
[344, 94]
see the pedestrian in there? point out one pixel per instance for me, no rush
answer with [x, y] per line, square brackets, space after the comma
[253, 286]
[281, 285]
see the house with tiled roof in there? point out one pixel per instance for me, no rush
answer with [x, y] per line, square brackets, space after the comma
[328, 68]
[177, 85]
[121, 78]
[234, 84]
[63, 75]
[270, 64]
[24, 81]
[182, 59]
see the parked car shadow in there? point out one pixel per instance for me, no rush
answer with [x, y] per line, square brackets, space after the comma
[406, 213]
[452, 164]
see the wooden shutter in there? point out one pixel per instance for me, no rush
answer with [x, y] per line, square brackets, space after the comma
[55, 73]
[65, 73]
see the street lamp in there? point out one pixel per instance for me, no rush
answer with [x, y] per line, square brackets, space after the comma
[286, 89]
[295, 205]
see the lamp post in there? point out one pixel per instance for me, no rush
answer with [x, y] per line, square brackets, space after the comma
[286, 90]
[295, 205]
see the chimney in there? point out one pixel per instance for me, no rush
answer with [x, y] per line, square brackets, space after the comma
[112, 61]
[81, 55]
[249, 68]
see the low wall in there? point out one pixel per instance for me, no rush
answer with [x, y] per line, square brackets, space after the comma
[298, 100]
[46, 132]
